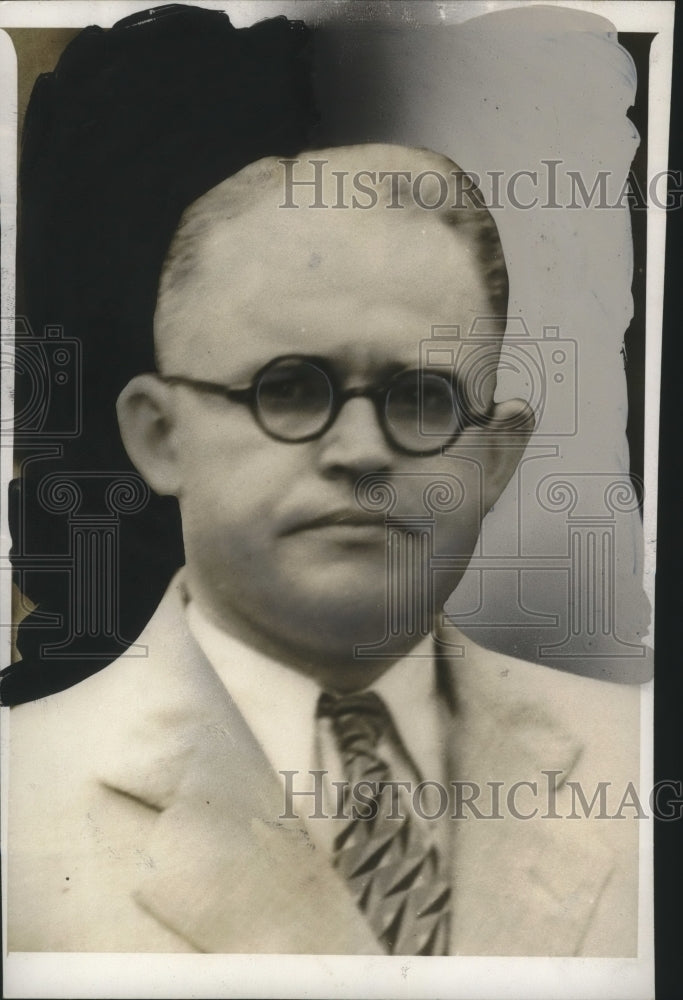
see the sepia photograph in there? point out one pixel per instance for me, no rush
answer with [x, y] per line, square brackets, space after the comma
[331, 357]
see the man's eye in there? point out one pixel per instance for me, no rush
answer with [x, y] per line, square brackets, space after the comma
[286, 391]
[428, 392]
[436, 396]
[295, 386]
[286, 388]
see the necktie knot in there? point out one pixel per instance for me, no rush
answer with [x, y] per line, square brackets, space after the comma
[358, 719]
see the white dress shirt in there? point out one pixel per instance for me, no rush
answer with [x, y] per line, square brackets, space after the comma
[279, 705]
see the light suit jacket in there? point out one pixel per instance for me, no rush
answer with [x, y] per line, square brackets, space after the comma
[144, 816]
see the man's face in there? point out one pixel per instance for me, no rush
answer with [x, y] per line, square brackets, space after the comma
[274, 537]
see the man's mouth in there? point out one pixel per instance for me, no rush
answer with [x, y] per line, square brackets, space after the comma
[351, 521]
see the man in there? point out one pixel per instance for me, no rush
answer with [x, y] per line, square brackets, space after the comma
[262, 782]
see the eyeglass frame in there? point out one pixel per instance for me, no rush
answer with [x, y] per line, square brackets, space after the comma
[247, 395]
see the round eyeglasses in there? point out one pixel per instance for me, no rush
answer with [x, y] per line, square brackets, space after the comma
[297, 398]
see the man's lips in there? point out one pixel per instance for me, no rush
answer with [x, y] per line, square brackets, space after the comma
[343, 519]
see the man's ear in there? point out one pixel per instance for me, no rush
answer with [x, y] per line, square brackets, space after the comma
[147, 423]
[507, 432]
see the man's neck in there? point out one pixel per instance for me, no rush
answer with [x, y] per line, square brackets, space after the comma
[341, 670]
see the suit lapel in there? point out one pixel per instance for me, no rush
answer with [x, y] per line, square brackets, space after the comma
[223, 870]
[230, 875]
[521, 886]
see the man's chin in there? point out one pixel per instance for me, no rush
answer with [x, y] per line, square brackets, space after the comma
[335, 617]
[355, 576]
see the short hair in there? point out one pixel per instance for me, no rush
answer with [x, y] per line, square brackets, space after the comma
[235, 195]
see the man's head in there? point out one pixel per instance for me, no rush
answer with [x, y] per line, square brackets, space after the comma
[278, 548]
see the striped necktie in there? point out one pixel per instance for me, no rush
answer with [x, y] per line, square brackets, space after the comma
[393, 873]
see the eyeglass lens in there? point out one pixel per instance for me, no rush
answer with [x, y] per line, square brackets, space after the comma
[420, 407]
[294, 399]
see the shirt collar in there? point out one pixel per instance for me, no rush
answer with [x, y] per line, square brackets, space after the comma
[408, 689]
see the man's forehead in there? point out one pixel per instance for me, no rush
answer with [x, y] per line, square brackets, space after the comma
[324, 246]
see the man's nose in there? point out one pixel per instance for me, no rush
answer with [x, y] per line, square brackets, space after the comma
[355, 443]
